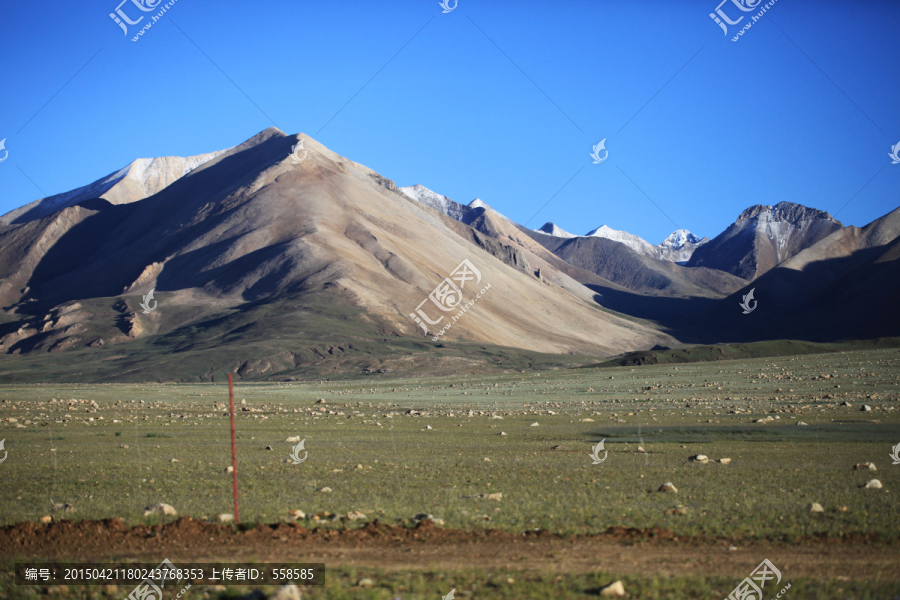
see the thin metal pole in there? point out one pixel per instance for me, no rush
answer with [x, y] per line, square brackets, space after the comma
[233, 451]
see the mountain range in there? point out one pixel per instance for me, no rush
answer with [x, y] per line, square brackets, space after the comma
[274, 269]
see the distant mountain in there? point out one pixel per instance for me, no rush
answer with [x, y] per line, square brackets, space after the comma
[764, 236]
[140, 179]
[678, 247]
[618, 263]
[551, 229]
[845, 285]
[460, 212]
[263, 267]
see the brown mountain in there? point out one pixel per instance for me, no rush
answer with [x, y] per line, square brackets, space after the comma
[762, 237]
[264, 266]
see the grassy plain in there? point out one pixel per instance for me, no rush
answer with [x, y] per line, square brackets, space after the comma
[393, 448]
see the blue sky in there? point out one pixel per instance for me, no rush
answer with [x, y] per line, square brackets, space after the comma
[496, 100]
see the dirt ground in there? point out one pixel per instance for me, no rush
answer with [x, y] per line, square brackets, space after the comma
[388, 547]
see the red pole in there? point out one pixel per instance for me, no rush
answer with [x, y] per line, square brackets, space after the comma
[233, 452]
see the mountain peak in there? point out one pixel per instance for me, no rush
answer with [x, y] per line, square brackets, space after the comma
[784, 211]
[551, 229]
[680, 238]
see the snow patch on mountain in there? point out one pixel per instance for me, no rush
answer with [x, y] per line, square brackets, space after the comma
[677, 247]
[549, 228]
[451, 208]
[422, 194]
[634, 242]
[147, 176]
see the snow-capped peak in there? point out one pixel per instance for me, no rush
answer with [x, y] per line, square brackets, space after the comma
[634, 242]
[549, 228]
[679, 238]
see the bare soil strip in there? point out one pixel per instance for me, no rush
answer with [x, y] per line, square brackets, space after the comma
[394, 548]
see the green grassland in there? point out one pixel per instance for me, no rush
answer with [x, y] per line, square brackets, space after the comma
[381, 459]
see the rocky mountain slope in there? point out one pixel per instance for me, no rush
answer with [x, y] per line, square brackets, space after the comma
[762, 237]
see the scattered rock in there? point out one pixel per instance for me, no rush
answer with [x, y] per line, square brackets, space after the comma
[320, 401]
[243, 401]
[816, 508]
[46, 519]
[587, 420]
[667, 487]
[557, 447]
[287, 592]
[225, 518]
[293, 439]
[502, 433]
[356, 515]
[700, 458]
[535, 424]
[495, 496]
[614, 589]
[487, 459]
[801, 423]
[229, 469]
[865, 408]
[866, 466]
[64, 506]
[174, 460]
[161, 509]
[365, 583]
[123, 445]
[874, 484]
[324, 490]
[297, 514]
[429, 427]
[641, 449]
[681, 510]
[725, 461]
[423, 517]
[846, 404]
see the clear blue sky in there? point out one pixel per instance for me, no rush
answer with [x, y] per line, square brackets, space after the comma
[751, 122]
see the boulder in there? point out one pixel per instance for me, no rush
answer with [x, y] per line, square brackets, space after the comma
[614, 589]
[166, 510]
